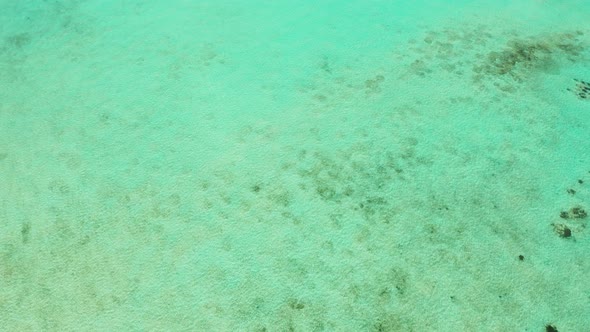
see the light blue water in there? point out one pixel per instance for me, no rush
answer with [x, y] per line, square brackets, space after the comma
[294, 166]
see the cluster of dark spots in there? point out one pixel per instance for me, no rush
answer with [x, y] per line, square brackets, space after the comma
[371, 204]
[372, 85]
[521, 257]
[420, 67]
[506, 67]
[18, 40]
[295, 304]
[574, 213]
[574, 218]
[581, 89]
[518, 53]
[562, 230]
[445, 50]
[341, 179]
[523, 56]
[573, 191]
[550, 328]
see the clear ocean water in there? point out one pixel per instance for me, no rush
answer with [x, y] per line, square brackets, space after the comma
[191, 165]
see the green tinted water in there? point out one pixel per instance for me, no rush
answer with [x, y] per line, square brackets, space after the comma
[294, 166]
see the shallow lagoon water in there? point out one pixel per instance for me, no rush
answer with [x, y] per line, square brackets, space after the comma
[294, 165]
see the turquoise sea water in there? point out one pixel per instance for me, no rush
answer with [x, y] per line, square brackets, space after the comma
[294, 165]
